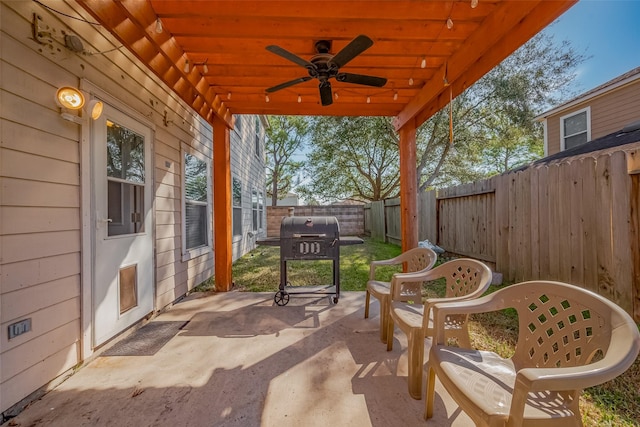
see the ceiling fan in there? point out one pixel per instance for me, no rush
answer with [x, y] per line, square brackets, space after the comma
[324, 66]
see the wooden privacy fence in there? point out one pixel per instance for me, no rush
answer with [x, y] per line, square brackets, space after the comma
[574, 221]
[350, 217]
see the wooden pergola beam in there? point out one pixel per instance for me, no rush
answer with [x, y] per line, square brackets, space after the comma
[222, 233]
[408, 186]
[132, 23]
[481, 52]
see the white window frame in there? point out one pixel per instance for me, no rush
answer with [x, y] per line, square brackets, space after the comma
[188, 254]
[255, 210]
[257, 139]
[567, 116]
[261, 210]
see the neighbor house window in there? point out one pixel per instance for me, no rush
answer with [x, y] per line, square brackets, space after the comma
[196, 204]
[237, 207]
[254, 209]
[575, 129]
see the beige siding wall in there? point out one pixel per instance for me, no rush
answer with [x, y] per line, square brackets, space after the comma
[249, 169]
[41, 189]
[610, 112]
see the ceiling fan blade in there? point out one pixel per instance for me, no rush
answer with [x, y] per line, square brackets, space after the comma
[325, 93]
[290, 56]
[361, 79]
[287, 84]
[353, 49]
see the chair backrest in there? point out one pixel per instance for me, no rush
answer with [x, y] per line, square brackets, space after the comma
[464, 277]
[562, 325]
[417, 259]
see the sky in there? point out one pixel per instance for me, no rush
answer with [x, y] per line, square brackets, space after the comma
[608, 32]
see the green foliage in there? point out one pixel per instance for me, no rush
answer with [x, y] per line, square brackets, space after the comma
[285, 136]
[493, 131]
[352, 158]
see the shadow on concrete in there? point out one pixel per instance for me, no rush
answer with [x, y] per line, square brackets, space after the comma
[240, 361]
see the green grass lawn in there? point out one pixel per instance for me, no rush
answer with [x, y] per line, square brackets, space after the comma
[259, 270]
[616, 403]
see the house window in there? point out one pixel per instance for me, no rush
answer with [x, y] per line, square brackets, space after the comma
[196, 205]
[237, 207]
[237, 124]
[254, 209]
[261, 210]
[257, 137]
[575, 128]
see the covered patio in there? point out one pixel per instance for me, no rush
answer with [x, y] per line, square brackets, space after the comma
[177, 72]
[235, 359]
[218, 56]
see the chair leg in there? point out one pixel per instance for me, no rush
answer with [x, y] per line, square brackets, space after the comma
[366, 304]
[416, 361]
[384, 318]
[431, 389]
[390, 326]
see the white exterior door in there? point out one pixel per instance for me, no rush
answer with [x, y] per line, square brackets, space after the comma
[123, 240]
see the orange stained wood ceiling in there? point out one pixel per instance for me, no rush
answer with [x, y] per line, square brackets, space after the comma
[231, 38]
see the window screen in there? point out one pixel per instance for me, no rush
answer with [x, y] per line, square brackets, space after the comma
[237, 207]
[195, 199]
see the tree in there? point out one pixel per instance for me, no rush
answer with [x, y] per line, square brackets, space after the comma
[493, 130]
[353, 158]
[285, 137]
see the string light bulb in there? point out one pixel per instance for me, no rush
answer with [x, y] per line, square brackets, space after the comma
[449, 23]
[205, 68]
[423, 64]
[368, 100]
[395, 96]
[474, 4]
[335, 95]
[186, 65]
[229, 95]
[410, 81]
[158, 26]
[299, 99]
[266, 98]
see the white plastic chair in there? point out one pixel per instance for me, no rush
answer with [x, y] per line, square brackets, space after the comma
[465, 279]
[415, 259]
[569, 339]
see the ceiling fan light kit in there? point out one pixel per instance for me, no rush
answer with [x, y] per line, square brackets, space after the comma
[324, 66]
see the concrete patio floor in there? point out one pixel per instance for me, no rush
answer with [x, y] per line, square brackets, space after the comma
[241, 361]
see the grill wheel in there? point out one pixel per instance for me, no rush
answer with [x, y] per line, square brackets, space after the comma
[281, 298]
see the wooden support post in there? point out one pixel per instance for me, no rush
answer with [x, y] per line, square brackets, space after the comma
[222, 204]
[408, 186]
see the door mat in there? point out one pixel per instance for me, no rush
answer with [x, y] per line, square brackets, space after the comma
[147, 340]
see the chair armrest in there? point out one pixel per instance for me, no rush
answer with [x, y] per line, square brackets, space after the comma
[484, 304]
[620, 356]
[377, 263]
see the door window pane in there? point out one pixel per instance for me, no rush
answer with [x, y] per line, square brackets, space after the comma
[125, 206]
[125, 153]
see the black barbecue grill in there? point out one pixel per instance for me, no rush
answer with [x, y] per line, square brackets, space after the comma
[309, 238]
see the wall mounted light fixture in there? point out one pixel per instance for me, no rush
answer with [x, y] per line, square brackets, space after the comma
[72, 99]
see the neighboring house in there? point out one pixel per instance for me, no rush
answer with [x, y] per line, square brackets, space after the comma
[102, 222]
[601, 111]
[291, 199]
